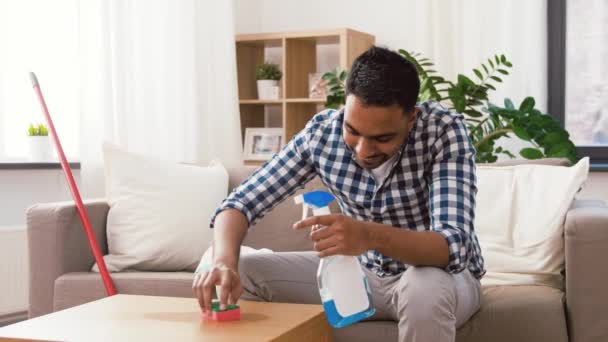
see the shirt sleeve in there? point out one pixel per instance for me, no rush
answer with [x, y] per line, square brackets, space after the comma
[452, 192]
[288, 171]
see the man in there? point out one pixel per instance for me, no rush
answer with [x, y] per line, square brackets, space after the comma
[404, 177]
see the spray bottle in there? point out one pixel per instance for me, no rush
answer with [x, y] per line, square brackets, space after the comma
[343, 286]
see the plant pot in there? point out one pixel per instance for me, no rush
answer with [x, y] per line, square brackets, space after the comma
[268, 90]
[40, 148]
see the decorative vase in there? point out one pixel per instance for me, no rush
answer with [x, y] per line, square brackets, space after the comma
[40, 148]
[268, 90]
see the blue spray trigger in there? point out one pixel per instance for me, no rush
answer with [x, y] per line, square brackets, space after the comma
[318, 199]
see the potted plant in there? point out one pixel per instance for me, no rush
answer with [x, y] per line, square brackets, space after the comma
[38, 143]
[268, 76]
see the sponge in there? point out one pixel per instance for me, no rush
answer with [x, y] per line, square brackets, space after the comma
[231, 313]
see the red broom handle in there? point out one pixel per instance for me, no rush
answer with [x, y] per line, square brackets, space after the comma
[84, 218]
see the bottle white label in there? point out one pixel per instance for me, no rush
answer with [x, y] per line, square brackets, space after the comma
[344, 279]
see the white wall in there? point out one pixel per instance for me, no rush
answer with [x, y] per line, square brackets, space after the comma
[21, 188]
[14, 271]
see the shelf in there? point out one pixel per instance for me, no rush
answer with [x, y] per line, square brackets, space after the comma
[298, 55]
[261, 102]
[254, 162]
[264, 42]
[278, 102]
[306, 100]
[298, 114]
[273, 36]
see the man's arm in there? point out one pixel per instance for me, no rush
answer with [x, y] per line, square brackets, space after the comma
[408, 246]
[287, 171]
[230, 230]
[453, 188]
[228, 235]
[347, 236]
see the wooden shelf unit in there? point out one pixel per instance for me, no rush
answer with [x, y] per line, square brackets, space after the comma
[299, 53]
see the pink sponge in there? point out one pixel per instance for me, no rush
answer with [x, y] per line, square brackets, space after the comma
[232, 313]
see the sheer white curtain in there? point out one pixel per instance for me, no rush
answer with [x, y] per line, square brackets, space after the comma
[157, 77]
[464, 33]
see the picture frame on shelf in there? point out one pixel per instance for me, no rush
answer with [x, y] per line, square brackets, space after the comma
[262, 143]
[317, 86]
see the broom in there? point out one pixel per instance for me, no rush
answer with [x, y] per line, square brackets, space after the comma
[84, 218]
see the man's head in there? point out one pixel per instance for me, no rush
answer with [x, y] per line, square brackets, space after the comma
[381, 93]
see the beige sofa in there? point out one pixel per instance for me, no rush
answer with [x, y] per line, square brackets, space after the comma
[60, 261]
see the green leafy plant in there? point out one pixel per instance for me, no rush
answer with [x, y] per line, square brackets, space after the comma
[487, 122]
[465, 96]
[336, 82]
[268, 71]
[37, 130]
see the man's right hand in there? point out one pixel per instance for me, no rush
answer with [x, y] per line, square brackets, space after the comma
[227, 278]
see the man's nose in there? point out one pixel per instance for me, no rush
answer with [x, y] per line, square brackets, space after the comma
[364, 148]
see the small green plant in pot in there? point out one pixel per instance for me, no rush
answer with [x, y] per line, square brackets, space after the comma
[39, 130]
[268, 76]
[39, 144]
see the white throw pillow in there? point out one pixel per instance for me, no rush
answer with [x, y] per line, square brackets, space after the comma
[520, 221]
[159, 211]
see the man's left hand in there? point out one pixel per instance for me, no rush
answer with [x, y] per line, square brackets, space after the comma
[338, 234]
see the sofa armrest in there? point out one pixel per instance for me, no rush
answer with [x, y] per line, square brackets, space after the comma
[57, 244]
[586, 240]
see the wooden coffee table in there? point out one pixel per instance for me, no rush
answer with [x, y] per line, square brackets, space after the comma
[148, 318]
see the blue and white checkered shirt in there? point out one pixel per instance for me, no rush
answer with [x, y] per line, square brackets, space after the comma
[431, 184]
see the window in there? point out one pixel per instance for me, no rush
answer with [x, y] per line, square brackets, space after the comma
[39, 36]
[578, 70]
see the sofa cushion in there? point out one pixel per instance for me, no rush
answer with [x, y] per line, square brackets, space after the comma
[77, 288]
[508, 313]
[518, 313]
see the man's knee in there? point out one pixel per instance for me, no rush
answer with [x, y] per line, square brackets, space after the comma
[247, 264]
[282, 277]
[251, 274]
[425, 293]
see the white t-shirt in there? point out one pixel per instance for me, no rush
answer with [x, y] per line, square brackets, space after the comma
[381, 172]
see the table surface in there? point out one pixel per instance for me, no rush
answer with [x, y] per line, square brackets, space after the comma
[135, 318]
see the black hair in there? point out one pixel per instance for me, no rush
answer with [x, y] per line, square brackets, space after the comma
[381, 77]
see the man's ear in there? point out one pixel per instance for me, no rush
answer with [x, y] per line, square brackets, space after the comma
[412, 118]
